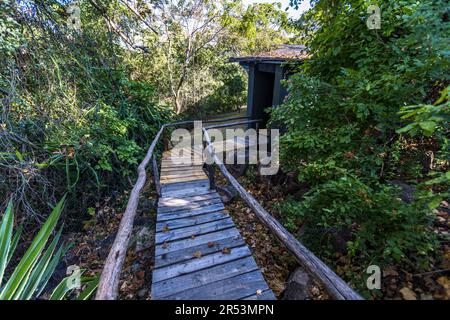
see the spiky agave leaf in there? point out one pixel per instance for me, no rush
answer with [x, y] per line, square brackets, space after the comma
[18, 280]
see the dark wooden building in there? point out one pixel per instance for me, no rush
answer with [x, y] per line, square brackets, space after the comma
[265, 74]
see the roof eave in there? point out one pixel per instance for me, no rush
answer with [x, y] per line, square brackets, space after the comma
[265, 60]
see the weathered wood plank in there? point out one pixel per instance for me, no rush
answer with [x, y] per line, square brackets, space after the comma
[190, 213]
[203, 277]
[185, 159]
[185, 168]
[166, 181]
[178, 163]
[189, 206]
[176, 174]
[168, 167]
[196, 230]
[174, 201]
[228, 289]
[168, 170]
[177, 186]
[172, 174]
[176, 270]
[186, 222]
[180, 169]
[266, 295]
[187, 191]
[191, 242]
[204, 249]
[184, 152]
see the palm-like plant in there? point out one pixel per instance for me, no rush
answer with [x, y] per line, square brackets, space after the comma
[31, 275]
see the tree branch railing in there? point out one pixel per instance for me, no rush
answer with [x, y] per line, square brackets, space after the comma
[109, 281]
[108, 287]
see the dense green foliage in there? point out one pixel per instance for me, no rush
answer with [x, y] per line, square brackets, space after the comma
[74, 119]
[366, 115]
[82, 102]
[344, 136]
[433, 120]
[81, 106]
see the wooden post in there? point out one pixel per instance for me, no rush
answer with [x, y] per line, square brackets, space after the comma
[156, 176]
[165, 141]
[257, 138]
[211, 172]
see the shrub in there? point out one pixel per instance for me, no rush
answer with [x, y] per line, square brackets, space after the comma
[342, 119]
[375, 225]
[433, 121]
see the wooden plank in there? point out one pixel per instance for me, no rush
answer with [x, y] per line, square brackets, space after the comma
[191, 162]
[189, 213]
[171, 165]
[176, 270]
[187, 191]
[182, 170]
[199, 179]
[205, 249]
[266, 295]
[173, 201]
[170, 174]
[175, 204]
[196, 220]
[197, 230]
[192, 159]
[203, 277]
[189, 206]
[177, 189]
[193, 150]
[178, 163]
[228, 289]
[193, 176]
[179, 179]
[185, 185]
[183, 152]
[183, 167]
[191, 242]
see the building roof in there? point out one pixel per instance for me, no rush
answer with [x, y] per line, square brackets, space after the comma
[285, 52]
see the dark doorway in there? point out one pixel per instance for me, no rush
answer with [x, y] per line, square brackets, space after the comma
[261, 93]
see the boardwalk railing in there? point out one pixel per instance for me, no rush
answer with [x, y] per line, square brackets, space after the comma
[109, 280]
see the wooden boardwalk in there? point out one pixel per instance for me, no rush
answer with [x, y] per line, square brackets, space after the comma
[200, 254]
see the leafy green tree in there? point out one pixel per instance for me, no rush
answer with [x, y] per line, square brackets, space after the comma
[74, 118]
